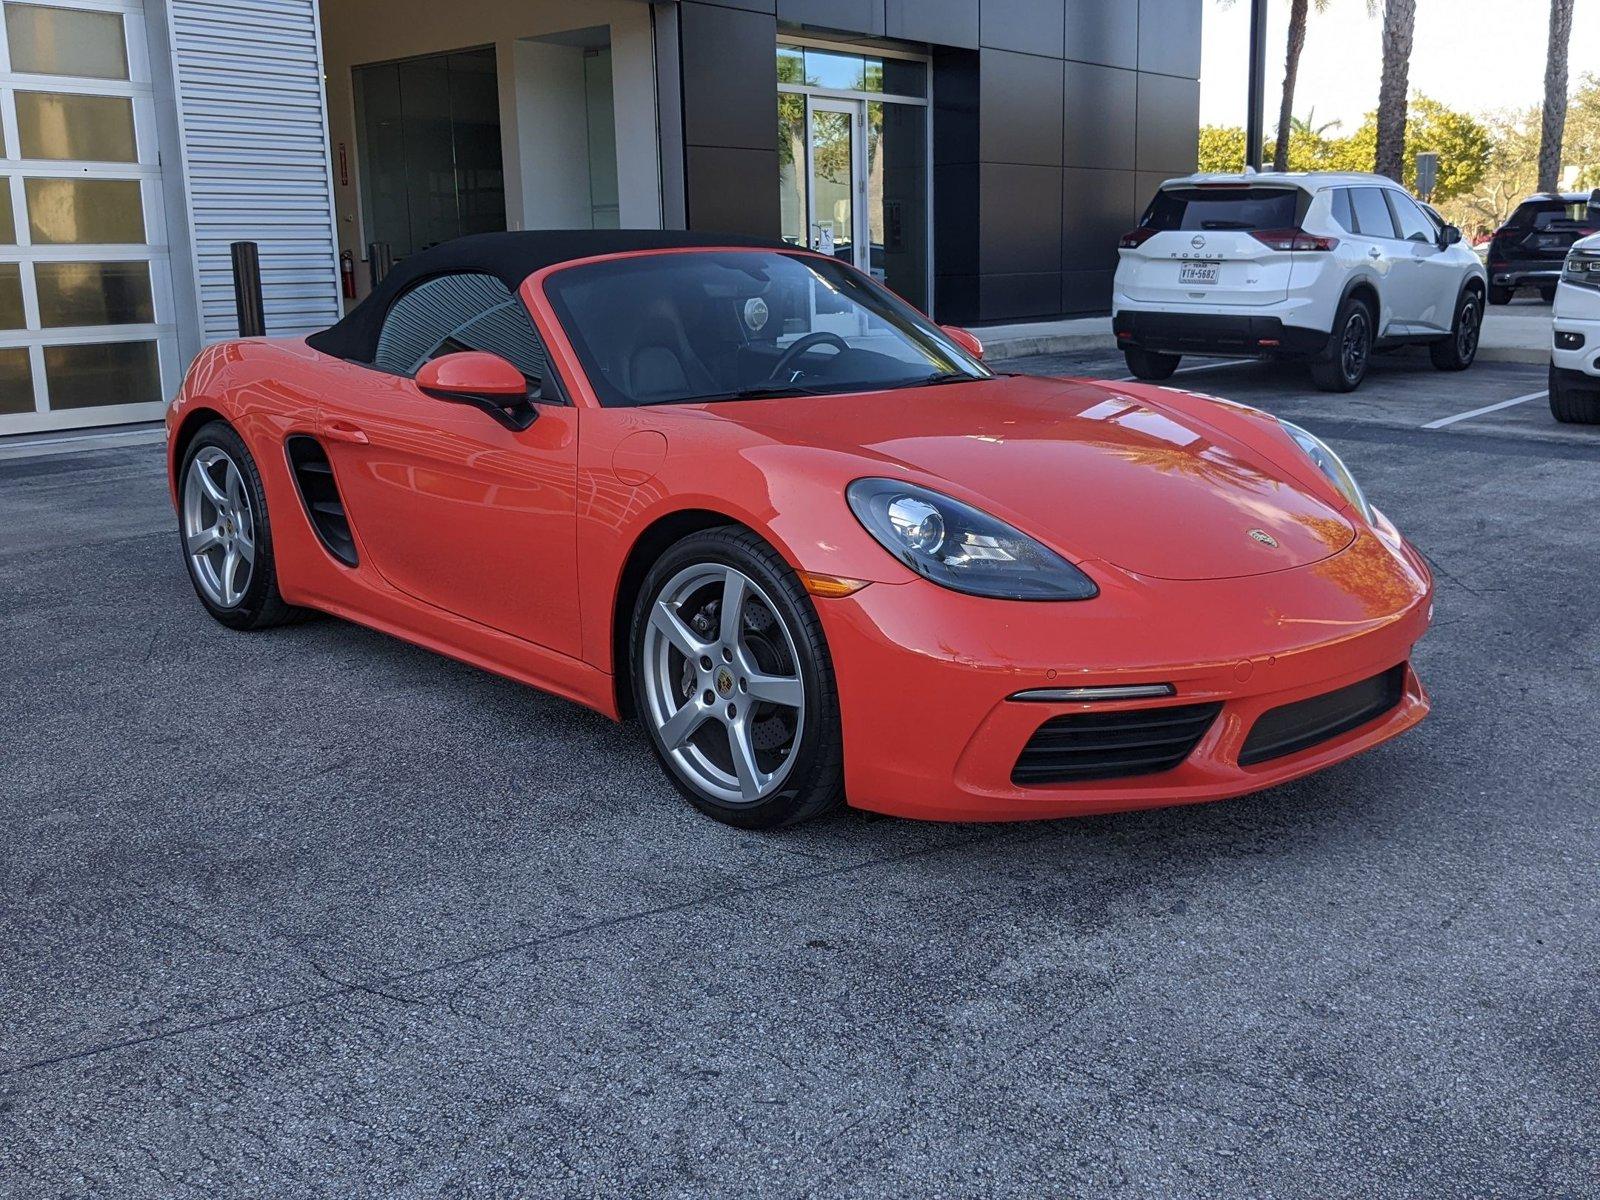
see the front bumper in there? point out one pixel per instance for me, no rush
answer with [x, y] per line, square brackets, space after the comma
[924, 677]
[1575, 340]
[1213, 333]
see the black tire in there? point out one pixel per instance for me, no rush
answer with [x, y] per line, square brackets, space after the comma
[814, 782]
[1572, 408]
[1456, 352]
[1349, 352]
[1500, 295]
[261, 605]
[1149, 364]
[1548, 294]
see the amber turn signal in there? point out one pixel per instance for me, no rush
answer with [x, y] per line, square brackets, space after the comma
[830, 585]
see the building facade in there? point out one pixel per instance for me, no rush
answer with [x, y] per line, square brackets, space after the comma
[979, 156]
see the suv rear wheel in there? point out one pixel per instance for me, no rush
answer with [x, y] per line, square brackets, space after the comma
[1499, 295]
[1148, 364]
[1349, 349]
[1456, 352]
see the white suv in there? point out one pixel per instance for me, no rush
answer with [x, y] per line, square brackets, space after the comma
[1575, 358]
[1320, 266]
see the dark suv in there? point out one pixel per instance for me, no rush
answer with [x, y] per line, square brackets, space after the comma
[1528, 250]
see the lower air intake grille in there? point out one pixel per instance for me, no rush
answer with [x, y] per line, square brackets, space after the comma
[1110, 745]
[1291, 728]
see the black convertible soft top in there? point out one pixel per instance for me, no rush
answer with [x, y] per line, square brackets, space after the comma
[511, 257]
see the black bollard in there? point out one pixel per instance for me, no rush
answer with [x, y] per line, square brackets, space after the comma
[247, 300]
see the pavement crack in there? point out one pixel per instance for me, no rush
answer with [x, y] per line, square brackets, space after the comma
[376, 987]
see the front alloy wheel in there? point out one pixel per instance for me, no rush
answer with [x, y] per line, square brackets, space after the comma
[732, 680]
[219, 527]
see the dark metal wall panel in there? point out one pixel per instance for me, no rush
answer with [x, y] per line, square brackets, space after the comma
[936, 22]
[730, 78]
[1019, 108]
[1100, 117]
[1020, 229]
[1106, 33]
[1097, 208]
[1028, 26]
[848, 16]
[733, 190]
[1169, 121]
[1169, 37]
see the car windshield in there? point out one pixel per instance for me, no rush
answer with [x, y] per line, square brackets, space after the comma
[734, 325]
[1217, 207]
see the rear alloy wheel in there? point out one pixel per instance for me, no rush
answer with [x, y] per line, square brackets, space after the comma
[1499, 295]
[1456, 352]
[227, 538]
[732, 680]
[1350, 352]
[1571, 407]
[1149, 364]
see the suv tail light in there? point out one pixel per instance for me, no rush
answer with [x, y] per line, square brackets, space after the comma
[1136, 237]
[1293, 239]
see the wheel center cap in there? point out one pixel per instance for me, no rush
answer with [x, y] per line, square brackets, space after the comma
[724, 681]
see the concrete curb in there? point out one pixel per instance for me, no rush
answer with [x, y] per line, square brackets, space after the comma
[1533, 356]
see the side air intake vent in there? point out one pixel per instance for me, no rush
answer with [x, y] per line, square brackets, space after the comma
[1112, 745]
[314, 477]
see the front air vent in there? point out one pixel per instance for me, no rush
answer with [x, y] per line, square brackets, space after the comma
[1291, 728]
[1080, 747]
[313, 475]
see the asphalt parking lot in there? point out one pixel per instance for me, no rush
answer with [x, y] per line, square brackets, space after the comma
[316, 912]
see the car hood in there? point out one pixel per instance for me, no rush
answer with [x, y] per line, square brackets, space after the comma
[1159, 483]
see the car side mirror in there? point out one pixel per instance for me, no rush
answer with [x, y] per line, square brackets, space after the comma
[484, 381]
[1449, 235]
[966, 339]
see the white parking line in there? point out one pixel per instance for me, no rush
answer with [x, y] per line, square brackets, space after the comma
[1487, 408]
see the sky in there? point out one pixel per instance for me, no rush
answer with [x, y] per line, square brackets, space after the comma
[1473, 55]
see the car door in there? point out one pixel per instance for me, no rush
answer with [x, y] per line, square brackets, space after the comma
[1375, 230]
[1432, 279]
[445, 503]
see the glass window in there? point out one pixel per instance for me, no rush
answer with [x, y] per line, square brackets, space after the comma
[8, 223]
[66, 41]
[11, 313]
[1414, 226]
[87, 128]
[94, 293]
[1343, 215]
[897, 198]
[843, 71]
[106, 211]
[1554, 214]
[1372, 214]
[660, 329]
[107, 373]
[792, 168]
[834, 69]
[16, 380]
[1225, 208]
[791, 64]
[454, 313]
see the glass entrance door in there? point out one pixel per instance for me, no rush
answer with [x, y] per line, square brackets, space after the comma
[853, 156]
[838, 179]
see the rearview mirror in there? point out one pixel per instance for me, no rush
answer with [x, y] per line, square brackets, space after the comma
[967, 340]
[1449, 235]
[482, 380]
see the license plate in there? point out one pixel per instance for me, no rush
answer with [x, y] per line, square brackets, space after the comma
[1198, 272]
[1549, 241]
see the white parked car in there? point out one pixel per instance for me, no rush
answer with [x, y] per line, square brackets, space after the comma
[1575, 357]
[1322, 266]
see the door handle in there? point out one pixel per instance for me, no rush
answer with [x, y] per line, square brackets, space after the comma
[1374, 252]
[343, 431]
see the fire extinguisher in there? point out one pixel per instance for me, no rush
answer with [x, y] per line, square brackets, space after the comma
[347, 274]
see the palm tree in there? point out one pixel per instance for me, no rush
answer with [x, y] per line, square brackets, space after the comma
[1554, 123]
[1291, 70]
[1399, 20]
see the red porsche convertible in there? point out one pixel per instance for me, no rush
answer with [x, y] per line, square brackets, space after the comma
[743, 492]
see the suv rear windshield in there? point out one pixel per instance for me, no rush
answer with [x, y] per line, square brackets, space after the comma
[1556, 214]
[1246, 208]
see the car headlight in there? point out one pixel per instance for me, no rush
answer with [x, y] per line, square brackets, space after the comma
[1331, 465]
[1582, 268]
[961, 548]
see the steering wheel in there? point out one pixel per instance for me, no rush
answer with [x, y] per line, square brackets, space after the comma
[810, 341]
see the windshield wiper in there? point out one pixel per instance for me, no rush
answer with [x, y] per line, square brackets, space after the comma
[760, 391]
[939, 377]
